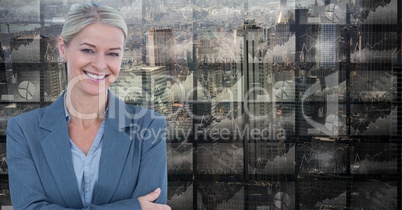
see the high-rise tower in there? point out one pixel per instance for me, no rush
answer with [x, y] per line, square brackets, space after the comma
[160, 48]
[328, 45]
[253, 70]
[283, 4]
[255, 89]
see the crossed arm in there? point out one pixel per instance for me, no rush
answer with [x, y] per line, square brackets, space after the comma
[28, 193]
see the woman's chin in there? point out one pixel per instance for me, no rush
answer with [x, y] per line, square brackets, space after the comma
[91, 90]
[96, 92]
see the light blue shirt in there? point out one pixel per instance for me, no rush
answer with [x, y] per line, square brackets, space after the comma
[86, 167]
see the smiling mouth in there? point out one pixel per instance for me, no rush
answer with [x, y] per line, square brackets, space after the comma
[94, 76]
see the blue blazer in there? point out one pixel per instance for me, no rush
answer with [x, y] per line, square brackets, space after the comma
[133, 161]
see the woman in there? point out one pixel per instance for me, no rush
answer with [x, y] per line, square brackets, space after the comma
[88, 150]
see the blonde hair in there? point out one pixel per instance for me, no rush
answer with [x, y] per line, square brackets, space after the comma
[82, 15]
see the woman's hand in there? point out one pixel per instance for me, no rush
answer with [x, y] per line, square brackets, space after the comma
[147, 201]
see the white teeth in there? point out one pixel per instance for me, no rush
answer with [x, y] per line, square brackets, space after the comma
[95, 76]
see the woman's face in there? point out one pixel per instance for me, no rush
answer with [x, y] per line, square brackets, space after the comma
[93, 58]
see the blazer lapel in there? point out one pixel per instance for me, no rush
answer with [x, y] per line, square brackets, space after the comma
[56, 148]
[115, 148]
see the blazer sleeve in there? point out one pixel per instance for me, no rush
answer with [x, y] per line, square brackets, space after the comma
[27, 191]
[153, 168]
[24, 182]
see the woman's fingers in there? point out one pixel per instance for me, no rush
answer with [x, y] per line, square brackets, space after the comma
[147, 200]
[152, 196]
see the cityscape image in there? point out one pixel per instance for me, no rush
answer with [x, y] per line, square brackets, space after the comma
[270, 104]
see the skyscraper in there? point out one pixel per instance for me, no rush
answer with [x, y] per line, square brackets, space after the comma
[209, 68]
[255, 86]
[160, 48]
[328, 47]
[283, 4]
[154, 83]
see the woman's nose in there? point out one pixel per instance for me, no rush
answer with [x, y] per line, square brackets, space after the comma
[100, 62]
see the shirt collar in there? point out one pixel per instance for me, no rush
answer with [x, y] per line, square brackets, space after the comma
[68, 114]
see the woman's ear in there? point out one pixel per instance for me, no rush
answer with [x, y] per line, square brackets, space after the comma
[62, 47]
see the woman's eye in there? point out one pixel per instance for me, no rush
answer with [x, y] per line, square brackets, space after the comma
[87, 51]
[114, 54]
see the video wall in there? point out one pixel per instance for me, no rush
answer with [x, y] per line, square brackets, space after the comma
[270, 104]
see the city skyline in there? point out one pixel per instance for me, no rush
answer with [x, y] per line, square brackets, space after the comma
[285, 104]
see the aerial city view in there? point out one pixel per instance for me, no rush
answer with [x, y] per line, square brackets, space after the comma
[270, 104]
